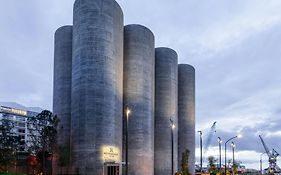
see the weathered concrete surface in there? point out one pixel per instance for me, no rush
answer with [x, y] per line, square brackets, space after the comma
[166, 108]
[62, 85]
[139, 76]
[186, 113]
[96, 83]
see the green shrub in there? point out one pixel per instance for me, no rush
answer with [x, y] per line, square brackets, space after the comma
[184, 163]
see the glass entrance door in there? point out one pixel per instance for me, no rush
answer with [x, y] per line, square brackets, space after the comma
[112, 170]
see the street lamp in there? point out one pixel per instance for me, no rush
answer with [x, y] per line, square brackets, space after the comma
[233, 146]
[128, 111]
[173, 126]
[261, 162]
[220, 142]
[238, 136]
[201, 156]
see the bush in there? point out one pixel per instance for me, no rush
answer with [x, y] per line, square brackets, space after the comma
[184, 163]
[183, 173]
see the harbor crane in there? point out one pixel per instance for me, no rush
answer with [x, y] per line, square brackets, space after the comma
[206, 146]
[210, 137]
[273, 168]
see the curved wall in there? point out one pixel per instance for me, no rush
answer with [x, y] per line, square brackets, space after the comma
[139, 75]
[62, 85]
[96, 84]
[166, 108]
[186, 113]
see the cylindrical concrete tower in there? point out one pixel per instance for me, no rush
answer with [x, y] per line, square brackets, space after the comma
[166, 109]
[118, 36]
[186, 113]
[139, 76]
[96, 85]
[62, 87]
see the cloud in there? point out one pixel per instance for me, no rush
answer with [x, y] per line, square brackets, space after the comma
[26, 52]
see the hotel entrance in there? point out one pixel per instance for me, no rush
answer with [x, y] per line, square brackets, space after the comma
[112, 169]
[112, 160]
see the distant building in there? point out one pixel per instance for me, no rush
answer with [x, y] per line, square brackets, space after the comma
[18, 114]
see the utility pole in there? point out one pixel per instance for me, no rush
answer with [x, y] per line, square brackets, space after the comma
[172, 138]
[127, 124]
[238, 136]
[233, 162]
[261, 169]
[220, 142]
[201, 151]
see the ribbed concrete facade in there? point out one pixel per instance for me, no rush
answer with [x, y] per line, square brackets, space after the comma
[96, 83]
[101, 67]
[62, 88]
[62, 81]
[186, 113]
[166, 108]
[118, 36]
[139, 75]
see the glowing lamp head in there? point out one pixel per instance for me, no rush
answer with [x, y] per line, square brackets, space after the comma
[239, 136]
[128, 111]
[173, 126]
[233, 145]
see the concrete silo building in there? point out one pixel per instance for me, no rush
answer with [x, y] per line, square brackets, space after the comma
[102, 67]
[186, 113]
[139, 73]
[166, 111]
[62, 87]
[96, 96]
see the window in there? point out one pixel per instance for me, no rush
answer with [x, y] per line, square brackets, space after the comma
[21, 124]
[21, 130]
[22, 137]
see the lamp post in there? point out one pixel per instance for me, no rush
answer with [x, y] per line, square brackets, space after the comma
[128, 111]
[233, 164]
[220, 142]
[201, 156]
[238, 136]
[173, 126]
[261, 162]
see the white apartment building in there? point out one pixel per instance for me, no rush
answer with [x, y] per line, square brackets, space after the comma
[18, 114]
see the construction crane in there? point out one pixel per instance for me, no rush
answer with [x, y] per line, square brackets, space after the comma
[206, 145]
[273, 168]
[209, 139]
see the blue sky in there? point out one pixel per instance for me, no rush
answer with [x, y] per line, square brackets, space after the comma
[235, 47]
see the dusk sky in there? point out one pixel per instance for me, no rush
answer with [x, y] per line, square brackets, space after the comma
[235, 47]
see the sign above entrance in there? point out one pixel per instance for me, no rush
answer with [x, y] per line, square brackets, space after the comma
[13, 111]
[111, 154]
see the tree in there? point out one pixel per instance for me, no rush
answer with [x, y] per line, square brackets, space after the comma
[234, 167]
[43, 135]
[64, 155]
[184, 163]
[9, 144]
[212, 167]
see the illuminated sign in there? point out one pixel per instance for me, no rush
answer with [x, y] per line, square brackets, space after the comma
[110, 154]
[13, 111]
